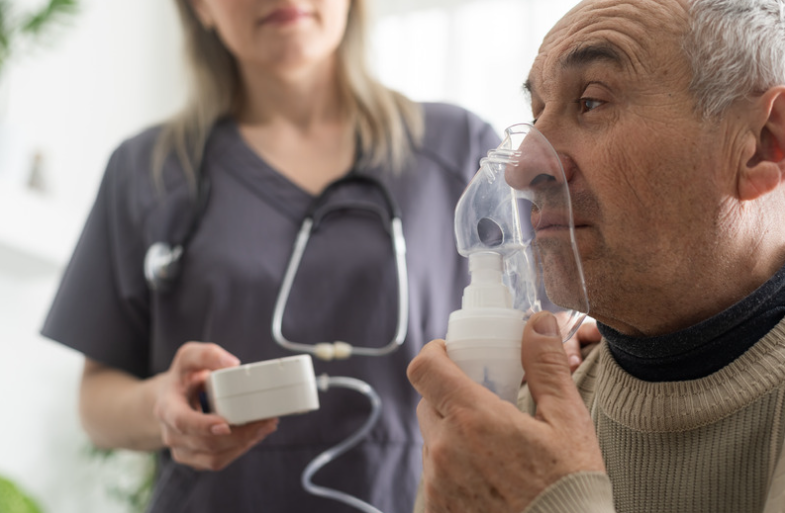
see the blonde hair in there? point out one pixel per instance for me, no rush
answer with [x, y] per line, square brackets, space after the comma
[387, 123]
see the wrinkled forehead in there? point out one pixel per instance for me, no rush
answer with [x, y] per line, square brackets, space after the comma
[640, 35]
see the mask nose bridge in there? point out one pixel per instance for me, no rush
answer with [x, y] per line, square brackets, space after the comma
[533, 163]
[567, 164]
[556, 134]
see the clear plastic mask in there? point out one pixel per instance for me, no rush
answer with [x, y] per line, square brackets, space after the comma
[518, 205]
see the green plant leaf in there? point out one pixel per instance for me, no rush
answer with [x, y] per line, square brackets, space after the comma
[135, 495]
[5, 30]
[15, 26]
[56, 11]
[12, 500]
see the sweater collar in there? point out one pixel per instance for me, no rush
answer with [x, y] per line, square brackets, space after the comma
[683, 405]
[704, 348]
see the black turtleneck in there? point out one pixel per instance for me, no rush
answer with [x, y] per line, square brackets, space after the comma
[706, 347]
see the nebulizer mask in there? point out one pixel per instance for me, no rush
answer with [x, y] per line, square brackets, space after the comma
[514, 223]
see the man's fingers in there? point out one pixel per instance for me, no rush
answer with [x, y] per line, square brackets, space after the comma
[546, 365]
[588, 333]
[428, 419]
[442, 383]
[573, 350]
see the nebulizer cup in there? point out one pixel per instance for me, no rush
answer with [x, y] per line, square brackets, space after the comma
[514, 223]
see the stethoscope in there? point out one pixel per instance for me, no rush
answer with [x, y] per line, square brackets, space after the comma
[162, 261]
[162, 268]
[316, 213]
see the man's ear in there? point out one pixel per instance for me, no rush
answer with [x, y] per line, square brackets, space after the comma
[765, 171]
[202, 13]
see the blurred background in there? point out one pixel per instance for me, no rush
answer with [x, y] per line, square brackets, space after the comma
[103, 73]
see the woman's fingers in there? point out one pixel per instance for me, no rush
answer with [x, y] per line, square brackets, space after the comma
[198, 439]
[216, 451]
[198, 356]
[228, 448]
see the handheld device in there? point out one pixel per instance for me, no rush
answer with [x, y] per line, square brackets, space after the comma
[288, 386]
[263, 390]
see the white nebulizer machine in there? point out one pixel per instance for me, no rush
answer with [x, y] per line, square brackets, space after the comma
[263, 390]
[514, 223]
[288, 386]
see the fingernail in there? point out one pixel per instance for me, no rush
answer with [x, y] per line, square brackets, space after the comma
[546, 325]
[221, 429]
[574, 361]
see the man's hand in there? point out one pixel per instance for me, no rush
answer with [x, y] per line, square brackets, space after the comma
[483, 455]
[586, 335]
[202, 441]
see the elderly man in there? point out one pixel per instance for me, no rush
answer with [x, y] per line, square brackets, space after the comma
[669, 118]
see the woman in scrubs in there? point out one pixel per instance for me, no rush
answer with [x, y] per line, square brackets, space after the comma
[282, 105]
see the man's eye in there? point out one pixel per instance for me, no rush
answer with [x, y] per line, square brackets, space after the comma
[588, 104]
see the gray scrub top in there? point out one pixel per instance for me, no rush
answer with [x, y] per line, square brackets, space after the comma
[230, 275]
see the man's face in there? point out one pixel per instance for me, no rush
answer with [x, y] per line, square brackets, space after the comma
[648, 177]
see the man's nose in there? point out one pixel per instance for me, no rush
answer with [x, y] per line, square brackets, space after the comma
[537, 164]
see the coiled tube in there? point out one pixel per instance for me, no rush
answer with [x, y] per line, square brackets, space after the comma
[324, 382]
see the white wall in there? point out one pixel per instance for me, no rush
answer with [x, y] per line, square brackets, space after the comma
[111, 73]
[476, 53]
[116, 71]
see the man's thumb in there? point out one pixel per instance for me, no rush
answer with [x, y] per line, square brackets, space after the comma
[545, 361]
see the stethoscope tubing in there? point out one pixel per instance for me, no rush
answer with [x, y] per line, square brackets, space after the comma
[301, 241]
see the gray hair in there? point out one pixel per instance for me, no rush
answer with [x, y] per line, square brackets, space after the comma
[736, 49]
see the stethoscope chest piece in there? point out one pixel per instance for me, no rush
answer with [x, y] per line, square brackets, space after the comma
[161, 265]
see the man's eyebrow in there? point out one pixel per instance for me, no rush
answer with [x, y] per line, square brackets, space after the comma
[528, 88]
[585, 55]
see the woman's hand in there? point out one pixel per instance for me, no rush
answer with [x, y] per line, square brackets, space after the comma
[201, 440]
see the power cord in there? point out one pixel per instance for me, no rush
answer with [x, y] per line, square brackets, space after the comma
[324, 383]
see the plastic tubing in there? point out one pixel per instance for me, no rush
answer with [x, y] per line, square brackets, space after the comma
[324, 382]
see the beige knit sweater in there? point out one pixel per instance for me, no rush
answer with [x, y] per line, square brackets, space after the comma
[711, 445]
